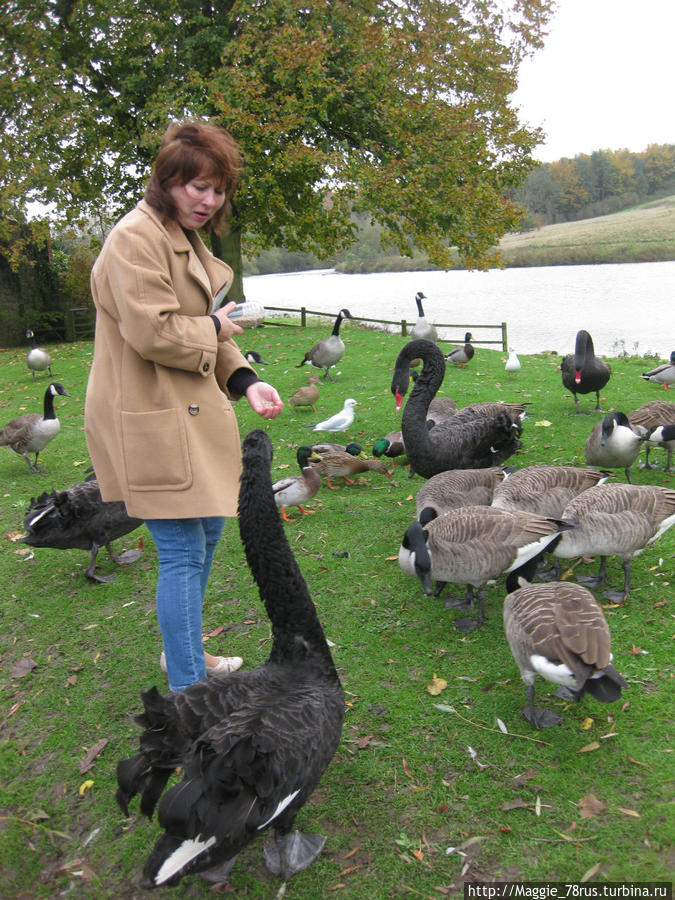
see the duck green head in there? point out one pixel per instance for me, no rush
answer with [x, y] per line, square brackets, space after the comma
[304, 454]
[354, 448]
[380, 447]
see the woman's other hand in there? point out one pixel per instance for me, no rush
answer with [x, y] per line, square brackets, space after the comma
[264, 400]
[228, 327]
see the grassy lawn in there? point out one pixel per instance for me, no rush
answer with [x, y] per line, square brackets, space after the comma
[418, 799]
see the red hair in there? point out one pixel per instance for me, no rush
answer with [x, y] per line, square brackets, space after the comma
[188, 150]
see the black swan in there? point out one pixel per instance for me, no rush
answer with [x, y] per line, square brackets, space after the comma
[78, 518]
[467, 440]
[583, 372]
[252, 744]
[330, 350]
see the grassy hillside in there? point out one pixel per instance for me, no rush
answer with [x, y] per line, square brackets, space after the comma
[643, 234]
[426, 791]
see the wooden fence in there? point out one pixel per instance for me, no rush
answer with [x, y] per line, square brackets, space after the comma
[498, 337]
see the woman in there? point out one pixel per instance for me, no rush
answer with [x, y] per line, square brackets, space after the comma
[159, 423]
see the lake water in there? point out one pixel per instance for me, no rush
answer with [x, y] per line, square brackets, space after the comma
[627, 307]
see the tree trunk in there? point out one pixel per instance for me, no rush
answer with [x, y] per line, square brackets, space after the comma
[228, 248]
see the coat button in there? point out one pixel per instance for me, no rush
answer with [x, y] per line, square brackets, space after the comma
[206, 367]
[193, 409]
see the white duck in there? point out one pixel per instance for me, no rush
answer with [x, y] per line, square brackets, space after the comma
[512, 363]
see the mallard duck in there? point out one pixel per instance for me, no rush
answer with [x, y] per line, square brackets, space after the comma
[298, 489]
[615, 520]
[512, 364]
[307, 395]
[663, 436]
[473, 545]
[78, 518]
[648, 416]
[326, 447]
[663, 374]
[253, 744]
[391, 445]
[31, 433]
[341, 420]
[455, 488]
[583, 372]
[334, 463]
[460, 356]
[613, 444]
[38, 359]
[253, 356]
[558, 631]
[467, 440]
[422, 328]
[330, 350]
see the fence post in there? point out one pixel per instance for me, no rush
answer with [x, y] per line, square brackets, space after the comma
[505, 340]
[404, 326]
[303, 317]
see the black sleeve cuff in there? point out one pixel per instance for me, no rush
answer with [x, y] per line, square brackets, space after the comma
[216, 322]
[240, 380]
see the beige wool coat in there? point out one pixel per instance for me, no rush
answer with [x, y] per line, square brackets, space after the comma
[159, 422]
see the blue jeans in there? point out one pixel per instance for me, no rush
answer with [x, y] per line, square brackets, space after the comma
[185, 550]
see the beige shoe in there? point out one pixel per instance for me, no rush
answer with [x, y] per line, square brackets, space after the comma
[224, 664]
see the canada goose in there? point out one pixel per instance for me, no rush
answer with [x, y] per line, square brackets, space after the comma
[330, 350]
[78, 518]
[517, 411]
[583, 372]
[473, 545]
[441, 408]
[512, 364]
[558, 631]
[252, 744]
[460, 356]
[466, 440]
[615, 520]
[613, 444]
[294, 490]
[334, 463]
[422, 328]
[647, 416]
[663, 374]
[307, 395]
[544, 490]
[253, 356]
[31, 433]
[38, 359]
[341, 420]
[457, 487]
[663, 436]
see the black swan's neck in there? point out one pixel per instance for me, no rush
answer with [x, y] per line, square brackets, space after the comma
[283, 589]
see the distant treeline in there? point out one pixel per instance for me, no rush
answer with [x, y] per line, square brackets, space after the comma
[603, 182]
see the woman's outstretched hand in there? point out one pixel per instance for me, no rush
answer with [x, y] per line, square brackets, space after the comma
[264, 400]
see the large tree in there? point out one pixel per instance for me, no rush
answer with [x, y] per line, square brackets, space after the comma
[401, 110]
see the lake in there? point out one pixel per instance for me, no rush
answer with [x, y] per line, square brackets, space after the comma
[627, 307]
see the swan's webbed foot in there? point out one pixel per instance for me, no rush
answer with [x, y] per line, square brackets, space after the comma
[540, 718]
[220, 873]
[291, 853]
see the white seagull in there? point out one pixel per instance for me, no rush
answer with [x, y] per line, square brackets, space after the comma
[340, 421]
[512, 363]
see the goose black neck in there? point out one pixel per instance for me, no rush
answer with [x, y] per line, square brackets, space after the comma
[48, 407]
[282, 588]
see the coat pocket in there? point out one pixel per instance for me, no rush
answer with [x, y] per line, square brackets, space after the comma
[155, 450]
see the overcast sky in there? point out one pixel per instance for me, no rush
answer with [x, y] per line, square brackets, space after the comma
[604, 79]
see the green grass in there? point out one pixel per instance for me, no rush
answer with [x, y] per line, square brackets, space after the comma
[643, 233]
[404, 786]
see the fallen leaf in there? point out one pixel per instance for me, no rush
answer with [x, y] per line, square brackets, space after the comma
[23, 666]
[85, 786]
[215, 632]
[537, 806]
[543, 423]
[437, 685]
[14, 535]
[93, 753]
[628, 812]
[594, 745]
[590, 873]
[418, 854]
[638, 763]
[70, 682]
[352, 852]
[518, 803]
[502, 726]
[364, 741]
[636, 651]
[589, 806]
[587, 723]
[406, 769]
